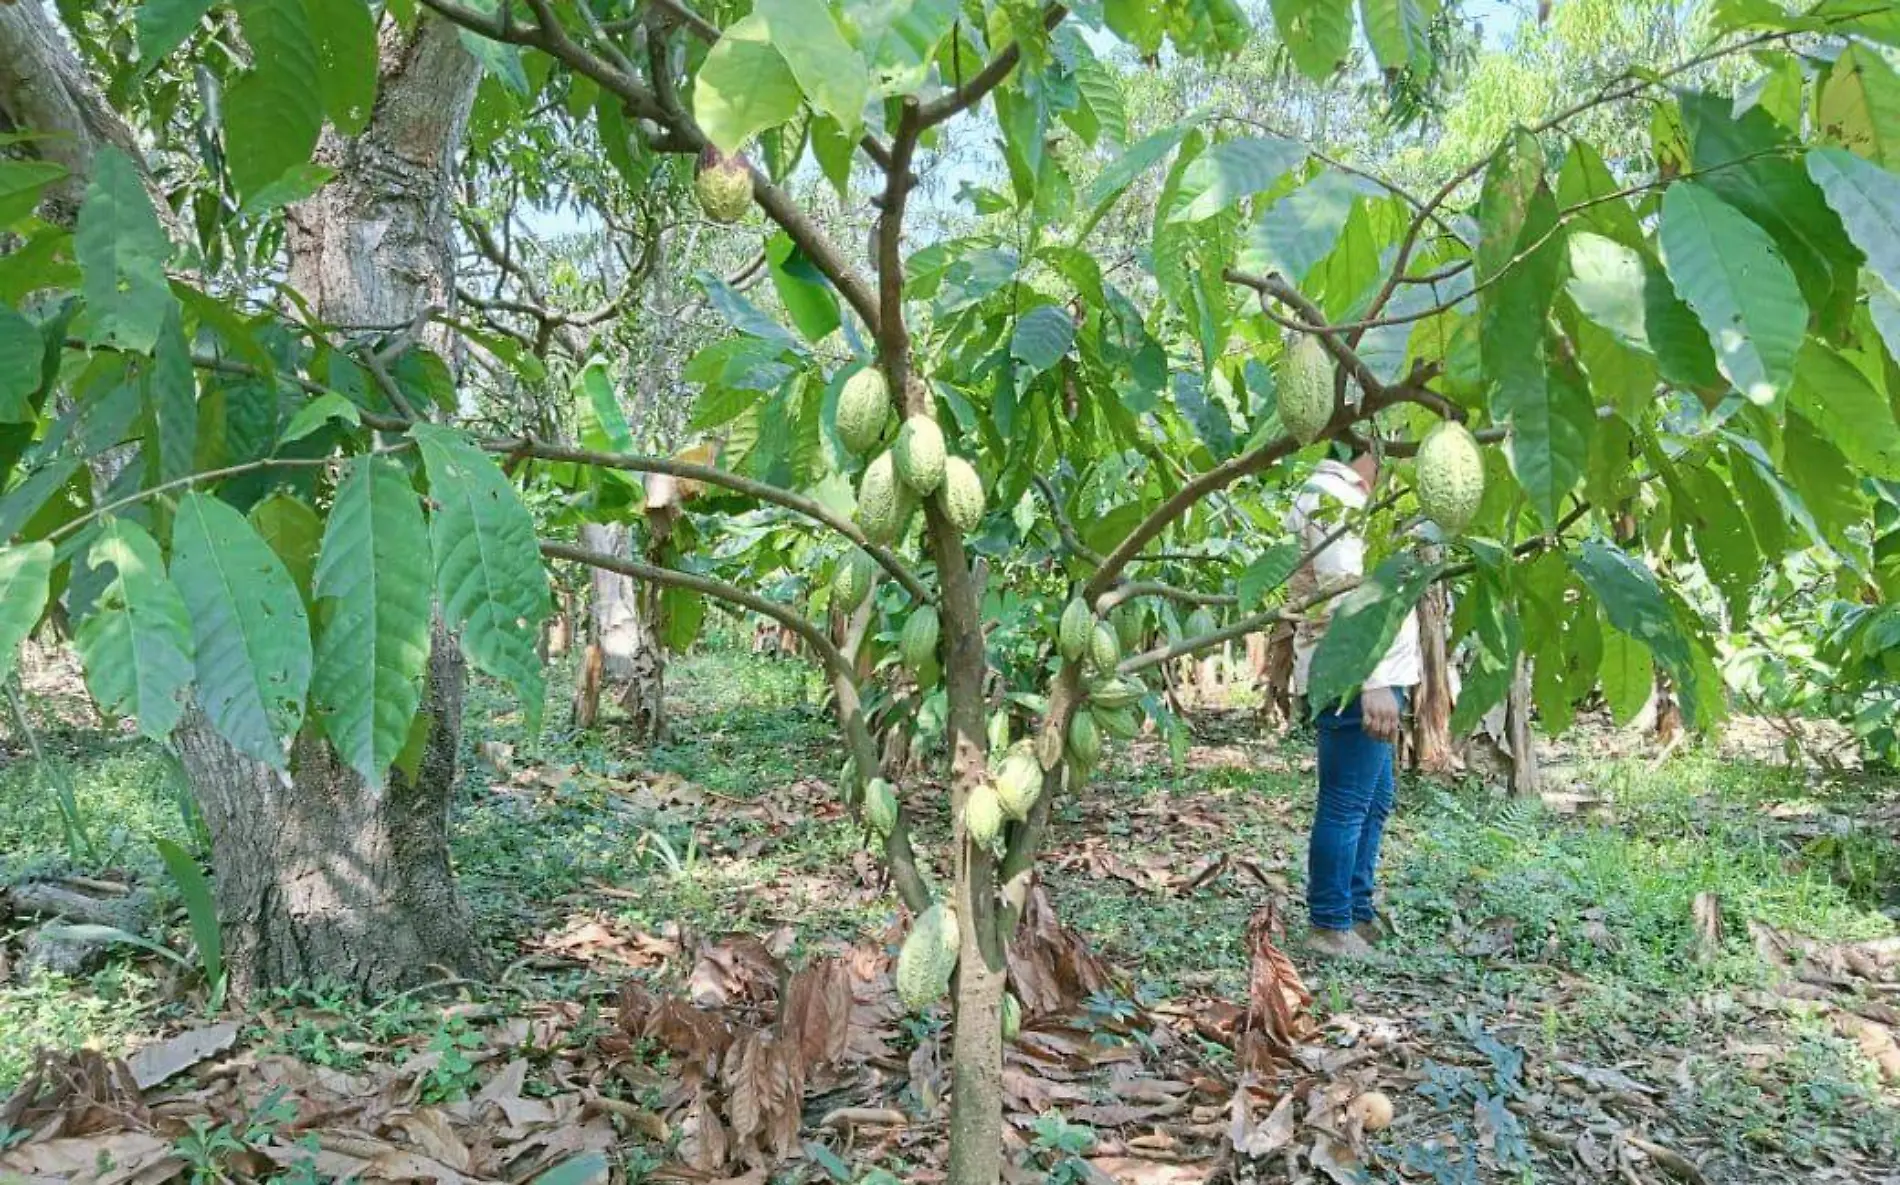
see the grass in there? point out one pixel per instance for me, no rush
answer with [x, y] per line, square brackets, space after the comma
[730, 826]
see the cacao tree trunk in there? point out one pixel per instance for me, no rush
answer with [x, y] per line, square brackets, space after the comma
[1433, 750]
[614, 596]
[1521, 741]
[645, 696]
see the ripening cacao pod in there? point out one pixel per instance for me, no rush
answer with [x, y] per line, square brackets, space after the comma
[1012, 1016]
[723, 185]
[1105, 649]
[852, 582]
[1450, 476]
[1085, 740]
[928, 957]
[1072, 634]
[961, 495]
[1049, 745]
[1019, 781]
[864, 405]
[1115, 693]
[983, 815]
[880, 808]
[917, 645]
[882, 506]
[998, 731]
[1306, 389]
[920, 455]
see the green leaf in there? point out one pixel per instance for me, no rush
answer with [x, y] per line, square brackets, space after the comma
[1496, 637]
[1232, 170]
[1363, 626]
[163, 26]
[744, 86]
[1512, 181]
[1121, 172]
[171, 397]
[1719, 528]
[136, 645]
[26, 573]
[293, 532]
[21, 183]
[1586, 184]
[827, 69]
[345, 35]
[500, 61]
[1273, 569]
[488, 571]
[1635, 604]
[274, 113]
[22, 361]
[681, 613]
[898, 38]
[585, 1169]
[1867, 197]
[1606, 282]
[1316, 33]
[372, 589]
[1042, 337]
[1102, 92]
[1729, 272]
[1848, 409]
[252, 637]
[1859, 107]
[602, 426]
[201, 908]
[318, 412]
[807, 296]
[1397, 31]
[1628, 675]
[1295, 233]
[122, 251]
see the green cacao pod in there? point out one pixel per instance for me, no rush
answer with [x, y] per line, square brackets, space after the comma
[1199, 624]
[1019, 781]
[1306, 389]
[880, 808]
[1012, 1016]
[961, 495]
[864, 404]
[1105, 649]
[999, 731]
[1450, 476]
[920, 455]
[1128, 627]
[1118, 722]
[917, 645]
[882, 506]
[1085, 739]
[723, 186]
[1072, 635]
[852, 582]
[983, 815]
[1115, 693]
[1049, 745]
[848, 778]
[928, 957]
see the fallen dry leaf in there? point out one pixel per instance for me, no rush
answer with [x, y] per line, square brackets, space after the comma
[163, 1060]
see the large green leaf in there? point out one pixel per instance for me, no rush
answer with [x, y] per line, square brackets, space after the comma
[373, 597]
[488, 572]
[1723, 541]
[744, 87]
[163, 25]
[1495, 635]
[274, 113]
[899, 37]
[1295, 233]
[344, 32]
[122, 251]
[1635, 604]
[602, 426]
[1585, 184]
[808, 297]
[1867, 197]
[1512, 182]
[1397, 31]
[1317, 33]
[251, 634]
[1042, 336]
[21, 183]
[22, 360]
[1606, 282]
[293, 532]
[1628, 675]
[1860, 107]
[1232, 170]
[1729, 272]
[25, 573]
[1101, 92]
[827, 69]
[1363, 626]
[171, 398]
[1273, 569]
[136, 645]
[1121, 172]
[1856, 415]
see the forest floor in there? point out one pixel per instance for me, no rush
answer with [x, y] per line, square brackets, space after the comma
[1677, 972]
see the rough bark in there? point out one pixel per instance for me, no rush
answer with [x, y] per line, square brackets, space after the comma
[613, 611]
[1433, 749]
[1521, 741]
[317, 876]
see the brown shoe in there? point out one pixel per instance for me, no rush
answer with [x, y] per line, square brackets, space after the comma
[1337, 944]
[1373, 932]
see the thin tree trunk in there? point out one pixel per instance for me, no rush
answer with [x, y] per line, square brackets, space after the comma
[645, 697]
[1521, 741]
[613, 609]
[1433, 750]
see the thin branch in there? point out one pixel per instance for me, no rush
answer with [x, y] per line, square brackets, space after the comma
[191, 479]
[987, 79]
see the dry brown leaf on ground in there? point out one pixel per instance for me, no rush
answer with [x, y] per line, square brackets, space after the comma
[590, 940]
[815, 1016]
[1336, 1158]
[1263, 1138]
[1130, 1170]
[1277, 999]
[1051, 967]
[164, 1060]
[113, 1158]
[732, 970]
[76, 1094]
[765, 1088]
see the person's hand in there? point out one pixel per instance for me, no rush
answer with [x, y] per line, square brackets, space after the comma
[1379, 714]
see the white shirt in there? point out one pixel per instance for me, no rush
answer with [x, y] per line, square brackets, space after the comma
[1334, 491]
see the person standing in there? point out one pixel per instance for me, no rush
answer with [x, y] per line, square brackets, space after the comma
[1356, 739]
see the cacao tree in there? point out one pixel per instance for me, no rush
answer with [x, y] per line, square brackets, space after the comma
[1032, 474]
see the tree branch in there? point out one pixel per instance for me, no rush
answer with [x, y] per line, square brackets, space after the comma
[987, 79]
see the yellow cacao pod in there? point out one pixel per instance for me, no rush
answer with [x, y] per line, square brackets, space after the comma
[1019, 781]
[961, 495]
[882, 506]
[856, 574]
[927, 958]
[864, 404]
[983, 815]
[920, 455]
[1085, 740]
[723, 186]
[1450, 476]
[1306, 389]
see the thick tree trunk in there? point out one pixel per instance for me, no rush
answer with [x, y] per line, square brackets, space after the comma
[44, 90]
[1520, 740]
[1433, 750]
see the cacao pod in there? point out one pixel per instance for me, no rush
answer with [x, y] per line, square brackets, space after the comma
[920, 455]
[1019, 782]
[852, 582]
[880, 808]
[983, 816]
[1085, 740]
[1450, 476]
[1128, 627]
[881, 505]
[1115, 693]
[917, 646]
[1119, 722]
[1306, 389]
[864, 405]
[1105, 649]
[928, 958]
[1012, 1016]
[1049, 746]
[999, 731]
[1072, 634]
[723, 185]
[962, 495]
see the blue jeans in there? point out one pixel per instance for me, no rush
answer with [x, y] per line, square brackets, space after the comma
[1355, 796]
